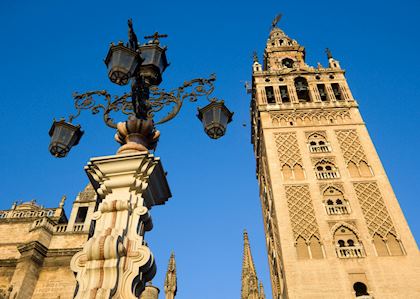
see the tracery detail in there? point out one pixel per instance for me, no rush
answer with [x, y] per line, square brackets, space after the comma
[301, 211]
[310, 117]
[289, 156]
[353, 153]
[373, 206]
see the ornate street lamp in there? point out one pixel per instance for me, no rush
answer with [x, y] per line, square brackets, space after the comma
[130, 183]
[64, 136]
[215, 117]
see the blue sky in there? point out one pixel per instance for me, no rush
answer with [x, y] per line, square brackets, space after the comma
[50, 49]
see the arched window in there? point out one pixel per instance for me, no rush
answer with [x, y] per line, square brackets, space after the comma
[287, 62]
[318, 144]
[360, 289]
[326, 171]
[350, 249]
[295, 173]
[335, 204]
[302, 89]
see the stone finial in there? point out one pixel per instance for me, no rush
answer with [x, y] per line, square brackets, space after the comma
[63, 199]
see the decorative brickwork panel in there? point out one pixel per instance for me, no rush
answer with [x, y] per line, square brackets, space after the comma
[301, 211]
[350, 146]
[311, 117]
[288, 148]
[373, 206]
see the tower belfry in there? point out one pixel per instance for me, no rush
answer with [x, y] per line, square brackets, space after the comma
[333, 225]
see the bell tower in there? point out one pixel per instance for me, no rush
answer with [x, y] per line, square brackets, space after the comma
[334, 228]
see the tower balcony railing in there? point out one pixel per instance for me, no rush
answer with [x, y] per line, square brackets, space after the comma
[327, 174]
[337, 209]
[319, 148]
[355, 251]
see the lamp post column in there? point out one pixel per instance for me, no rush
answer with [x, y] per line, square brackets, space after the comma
[115, 262]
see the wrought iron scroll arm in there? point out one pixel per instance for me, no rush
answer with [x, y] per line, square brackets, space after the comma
[158, 100]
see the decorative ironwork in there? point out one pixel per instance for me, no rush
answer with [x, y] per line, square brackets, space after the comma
[158, 100]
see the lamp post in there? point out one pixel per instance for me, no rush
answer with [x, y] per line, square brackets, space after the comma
[116, 262]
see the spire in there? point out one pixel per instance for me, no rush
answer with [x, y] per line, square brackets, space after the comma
[249, 275]
[170, 279]
[262, 293]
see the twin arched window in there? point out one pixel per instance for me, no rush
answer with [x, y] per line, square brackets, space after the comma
[347, 243]
[325, 170]
[318, 144]
[334, 202]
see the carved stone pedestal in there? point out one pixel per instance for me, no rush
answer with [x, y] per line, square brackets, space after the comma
[115, 262]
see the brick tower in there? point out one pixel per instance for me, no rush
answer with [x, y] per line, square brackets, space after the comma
[333, 225]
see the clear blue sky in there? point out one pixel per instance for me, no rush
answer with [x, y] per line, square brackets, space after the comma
[51, 48]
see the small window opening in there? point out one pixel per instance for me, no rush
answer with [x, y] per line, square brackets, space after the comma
[341, 243]
[287, 62]
[302, 89]
[284, 94]
[361, 289]
[350, 242]
[312, 143]
[281, 42]
[269, 92]
[81, 214]
[322, 92]
[330, 202]
[339, 202]
[320, 168]
[321, 143]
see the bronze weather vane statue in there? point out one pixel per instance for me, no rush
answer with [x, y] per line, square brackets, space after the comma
[144, 66]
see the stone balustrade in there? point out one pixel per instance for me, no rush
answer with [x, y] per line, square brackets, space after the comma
[355, 251]
[327, 174]
[337, 209]
[43, 222]
[319, 148]
[26, 214]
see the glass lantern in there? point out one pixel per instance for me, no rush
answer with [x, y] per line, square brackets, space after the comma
[154, 63]
[215, 117]
[64, 136]
[122, 63]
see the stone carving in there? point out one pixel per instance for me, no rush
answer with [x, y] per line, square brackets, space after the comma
[316, 161]
[116, 262]
[310, 117]
[351, 146]
[325, 186]
[288, 148]
[322, 133]
[301, 211]
[376, 214]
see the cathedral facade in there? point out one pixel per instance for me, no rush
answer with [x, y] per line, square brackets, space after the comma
[38, 243]
[334, 228]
